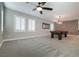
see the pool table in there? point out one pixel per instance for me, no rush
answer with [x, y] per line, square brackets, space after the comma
[59, 33]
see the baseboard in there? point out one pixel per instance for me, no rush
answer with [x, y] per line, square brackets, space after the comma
[25, 37]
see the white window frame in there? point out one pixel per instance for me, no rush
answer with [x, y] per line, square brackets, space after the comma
[31, 25]
[20, 25]
[22, 21]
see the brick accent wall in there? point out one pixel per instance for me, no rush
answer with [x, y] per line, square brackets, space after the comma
[70, 26]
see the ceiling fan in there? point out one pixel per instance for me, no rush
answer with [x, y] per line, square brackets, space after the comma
[41, 7]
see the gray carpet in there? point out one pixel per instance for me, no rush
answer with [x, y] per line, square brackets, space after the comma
[41, 47]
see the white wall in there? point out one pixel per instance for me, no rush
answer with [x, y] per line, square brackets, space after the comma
[0, 17]
[9, 25]
[1, 23]
[78, 24]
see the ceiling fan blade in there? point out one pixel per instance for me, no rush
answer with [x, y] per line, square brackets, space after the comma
[34, 9]
[43, 3]
[47, 8]
[41, 12]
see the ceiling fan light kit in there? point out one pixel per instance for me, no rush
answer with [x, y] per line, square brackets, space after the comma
[39, 9]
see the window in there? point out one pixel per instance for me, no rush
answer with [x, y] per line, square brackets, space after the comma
[22, 24]
[31, 25]
[19, 24]
[51, 26]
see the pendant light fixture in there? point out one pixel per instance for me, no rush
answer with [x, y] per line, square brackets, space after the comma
[59, 20]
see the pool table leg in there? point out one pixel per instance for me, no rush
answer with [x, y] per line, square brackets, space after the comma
[65, 34]
[60, 36]
[52, 35]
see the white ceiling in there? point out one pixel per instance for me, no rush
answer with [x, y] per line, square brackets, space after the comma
[67, 10]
